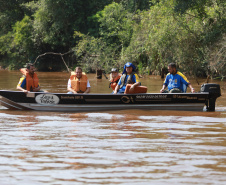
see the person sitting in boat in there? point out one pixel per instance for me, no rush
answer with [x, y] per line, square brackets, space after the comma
[128, 77]
[175, 81]
[29, 82]
[114, 78]
[78, 82]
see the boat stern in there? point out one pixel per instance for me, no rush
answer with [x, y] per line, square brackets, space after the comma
[214, 92]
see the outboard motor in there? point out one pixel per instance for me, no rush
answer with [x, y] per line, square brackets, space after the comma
[214, 92]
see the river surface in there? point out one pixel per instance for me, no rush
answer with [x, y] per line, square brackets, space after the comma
[120, 147]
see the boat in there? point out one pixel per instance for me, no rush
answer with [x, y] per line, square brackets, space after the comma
[63, 102]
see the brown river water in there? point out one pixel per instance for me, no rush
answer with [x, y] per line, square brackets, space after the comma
[116, 147]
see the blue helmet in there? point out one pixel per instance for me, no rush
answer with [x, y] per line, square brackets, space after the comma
[128, 64]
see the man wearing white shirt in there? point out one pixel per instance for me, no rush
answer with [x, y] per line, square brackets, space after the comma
[78, 82]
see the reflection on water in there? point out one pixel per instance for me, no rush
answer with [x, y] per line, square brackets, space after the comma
[112, 148]
[118, 147]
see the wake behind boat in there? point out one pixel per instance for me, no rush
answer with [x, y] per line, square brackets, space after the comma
[40, 101]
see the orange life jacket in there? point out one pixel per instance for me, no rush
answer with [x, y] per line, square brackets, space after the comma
[114, 81]
[31, 82]
[79, 85]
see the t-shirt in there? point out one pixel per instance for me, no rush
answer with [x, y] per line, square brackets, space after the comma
[177, 80]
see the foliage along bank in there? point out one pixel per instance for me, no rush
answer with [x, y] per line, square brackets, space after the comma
[106, 33]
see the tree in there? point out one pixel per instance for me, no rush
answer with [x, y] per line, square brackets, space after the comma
[163, 35]
[12, 11]
[115, 30]
[53, 26]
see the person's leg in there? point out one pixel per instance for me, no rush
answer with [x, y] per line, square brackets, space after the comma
[120, 91]
[175, 90]
[166, 91]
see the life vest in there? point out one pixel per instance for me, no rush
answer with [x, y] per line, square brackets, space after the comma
[79, 85]
[31, 82]
[114, 82]
[129, 79]
[137, 89]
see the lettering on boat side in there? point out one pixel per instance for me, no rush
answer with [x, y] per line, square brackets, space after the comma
[192, 98]
[156, 96]
[49, 99]
[185, 97]
[72, 97]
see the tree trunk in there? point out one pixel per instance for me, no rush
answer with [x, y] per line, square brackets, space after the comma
[99, 74]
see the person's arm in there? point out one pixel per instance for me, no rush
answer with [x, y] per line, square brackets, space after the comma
[87, 90]
[21, 84]
[71, 90]
[87, 87]
[186, 82]
[165, 84]
[20, 88]
[136, 82]
[163, 88]
[116, 89]
[192, 89]
[69, 87]
[134, 85]
[117, 86]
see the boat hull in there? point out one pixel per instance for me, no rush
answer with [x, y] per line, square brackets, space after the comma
[102, 102]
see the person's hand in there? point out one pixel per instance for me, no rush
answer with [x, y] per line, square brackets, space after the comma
[131, 88]
[162, 90]
[25, 91]
[192, 90]
[115, 92]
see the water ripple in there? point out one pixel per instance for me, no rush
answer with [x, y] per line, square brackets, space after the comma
[109, 148]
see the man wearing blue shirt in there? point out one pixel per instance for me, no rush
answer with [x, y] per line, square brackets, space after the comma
[128, 77]
[176, 81]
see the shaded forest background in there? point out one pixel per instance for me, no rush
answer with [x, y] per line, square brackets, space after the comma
[101, 34]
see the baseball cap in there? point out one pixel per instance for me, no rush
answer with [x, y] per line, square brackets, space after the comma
[114, 70]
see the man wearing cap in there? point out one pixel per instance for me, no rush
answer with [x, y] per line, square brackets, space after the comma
[128, 77]
[114, 78]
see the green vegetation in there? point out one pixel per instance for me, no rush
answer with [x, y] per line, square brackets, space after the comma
[102, 34]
